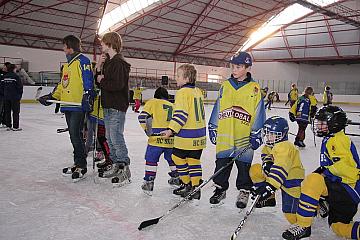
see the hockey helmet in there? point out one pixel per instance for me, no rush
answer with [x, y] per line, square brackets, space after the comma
[275, 130]
[161, 93]
[329, 120]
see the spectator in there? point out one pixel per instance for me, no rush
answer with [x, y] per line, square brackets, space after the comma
[3, 71]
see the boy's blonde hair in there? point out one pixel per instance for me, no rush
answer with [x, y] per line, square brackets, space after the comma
[189, 72]
[113, 40]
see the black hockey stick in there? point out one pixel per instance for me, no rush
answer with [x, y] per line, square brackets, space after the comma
[38, 93]
[242, 222]
[62, 130]
[153, 221]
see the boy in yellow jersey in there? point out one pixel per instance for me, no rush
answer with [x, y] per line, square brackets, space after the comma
[293, 95]
[337, 179]
[235, 124]
[281, 169]
[154, 118]
[137, 97]
[188, 127]
[327, 96]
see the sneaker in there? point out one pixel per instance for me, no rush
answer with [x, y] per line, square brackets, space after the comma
[3, 126]
[148, 185]
[174, 178]
[295, 232]
[183, 190]
[111, 171]
[78, 174]
[242, 198]
[69, 170]
[270, 202]
[219, 194]
[16, 129]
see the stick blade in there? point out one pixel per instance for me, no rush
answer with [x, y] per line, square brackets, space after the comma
[234, 236]
[148, 223]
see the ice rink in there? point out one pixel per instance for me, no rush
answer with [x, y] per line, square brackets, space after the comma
[37, 202]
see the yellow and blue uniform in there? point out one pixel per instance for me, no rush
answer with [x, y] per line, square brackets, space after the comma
[77, 78]
[137, 93]
[188, 124]
[154, 118]
[238, 110]
[286, 173]
[327, 97]
[339, 183]
[293, 94]
[301, 109]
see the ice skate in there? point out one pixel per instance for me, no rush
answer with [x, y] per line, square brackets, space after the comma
[174, 179]
[242, 198]
[68, 170]
[217, 198]
[295, 232]
[122, 177]
[148, 187]
[183, 190]
[78, 174]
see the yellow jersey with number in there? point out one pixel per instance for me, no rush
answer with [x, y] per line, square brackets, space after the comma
[188, 120]
[154, 118]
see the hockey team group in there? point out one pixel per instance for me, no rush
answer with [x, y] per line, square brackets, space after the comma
[237, 127]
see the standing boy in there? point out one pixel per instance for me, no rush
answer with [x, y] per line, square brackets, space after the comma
[292, 95]
[154, 118]
[235, 123]
[137, 97]
[327, 96]
[337, 179]
[77, 85]
[188, 127]
[301, 113]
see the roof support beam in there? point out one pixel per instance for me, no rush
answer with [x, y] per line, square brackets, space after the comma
[286, 42]
[330, 12]
[331, 36]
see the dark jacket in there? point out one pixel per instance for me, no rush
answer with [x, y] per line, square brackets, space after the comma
[11, 86]
[2, 74]
[115, 85]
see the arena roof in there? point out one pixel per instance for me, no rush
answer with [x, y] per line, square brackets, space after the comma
[197, 31]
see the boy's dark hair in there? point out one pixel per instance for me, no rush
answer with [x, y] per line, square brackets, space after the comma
[189, 72]
[7, 64]
[161, 93]
[309, 90]
[327, 88]
[10, 67]
[73, 42]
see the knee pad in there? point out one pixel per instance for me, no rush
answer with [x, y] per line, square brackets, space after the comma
[342, 229]
[312, 180]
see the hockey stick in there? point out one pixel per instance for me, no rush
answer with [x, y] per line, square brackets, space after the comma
[96, 131]
[154, 221]
[63, 102]
[62, 130]
[242, 222]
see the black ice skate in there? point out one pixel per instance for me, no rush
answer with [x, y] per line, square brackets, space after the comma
[174, 179]
[295, 232]
[148, 187]
[104, 166]
[183, 190]
[78, 174]
[242, 198]
[270, 202]
[323, 207]
[123, 176]
[68, 170]
[219, 195]
[196, 195]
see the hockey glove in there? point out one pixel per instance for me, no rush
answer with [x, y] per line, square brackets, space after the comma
[292, 117]
[255, 139]
[44, 99]
[266, 166]
[87, 102]
[265, 191]
[212, 133]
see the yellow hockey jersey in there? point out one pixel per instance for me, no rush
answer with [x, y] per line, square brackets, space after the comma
[138, 93]
[98, 111]
[154, 118]
[294, 94]
[339, 156]
[238, 111]
[188, 120]
[287, 172]
[77, 77]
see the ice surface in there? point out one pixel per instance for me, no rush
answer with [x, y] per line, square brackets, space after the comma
[37, 202]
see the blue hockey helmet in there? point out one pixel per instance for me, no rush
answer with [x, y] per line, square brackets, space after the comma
[275, 130]
[241, 58]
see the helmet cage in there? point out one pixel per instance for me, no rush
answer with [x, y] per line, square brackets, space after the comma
[320, 127]
[271, 137]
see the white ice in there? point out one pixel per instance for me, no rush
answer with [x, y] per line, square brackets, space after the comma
[37, 202]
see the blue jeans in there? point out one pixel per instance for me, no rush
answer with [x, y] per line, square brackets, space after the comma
[114, 125]
[75, 121]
